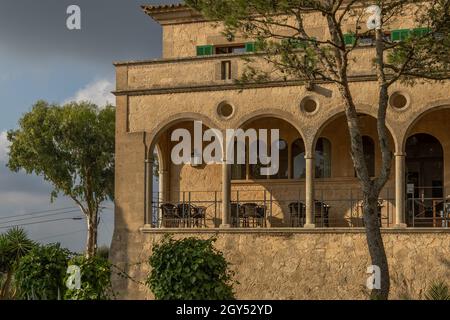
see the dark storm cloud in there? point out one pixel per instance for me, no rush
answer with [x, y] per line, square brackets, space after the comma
[111, 30]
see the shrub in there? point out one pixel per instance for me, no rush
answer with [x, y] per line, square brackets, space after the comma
[189, 269]
[14, 244]
[103, 252]
[95, 279]
[40, 274]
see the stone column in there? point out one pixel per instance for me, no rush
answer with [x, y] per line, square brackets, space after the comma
[400, 190]
[309, 187]
[163, 196]
[149, 191]
[226, 194]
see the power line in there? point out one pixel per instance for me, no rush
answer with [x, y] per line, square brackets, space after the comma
[47, 211]
[44, 221]
[41, 216]
[36, 212]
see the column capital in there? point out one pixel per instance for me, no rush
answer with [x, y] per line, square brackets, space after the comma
[400, 154]
[149, 160]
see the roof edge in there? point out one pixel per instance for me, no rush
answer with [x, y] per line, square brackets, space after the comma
[172, 13]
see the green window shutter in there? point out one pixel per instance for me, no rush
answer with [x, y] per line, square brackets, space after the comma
[200, 50]
[400, 35]
[205, 50]
[395, 35]
[404, 34]
[349, 39]
[209, 50]
[250, 47]
[420, 32]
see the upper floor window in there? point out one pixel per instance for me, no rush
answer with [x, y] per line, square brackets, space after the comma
[230, 49]
[225, 70]
[208, 50]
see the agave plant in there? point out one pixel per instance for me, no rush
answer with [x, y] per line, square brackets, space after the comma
[14, 244]
[438, 291]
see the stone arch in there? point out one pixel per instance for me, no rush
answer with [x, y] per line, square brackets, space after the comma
[427, 109]
[274, 113]
[338, 112]
[154, 135]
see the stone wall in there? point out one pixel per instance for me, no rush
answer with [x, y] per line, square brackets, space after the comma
[300, 264]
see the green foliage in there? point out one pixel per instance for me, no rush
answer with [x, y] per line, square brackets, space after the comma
[41, 272]
[189, 269]
[72, 146]
[95, 279]
[103, 252]
[14, 244]
[438, 291]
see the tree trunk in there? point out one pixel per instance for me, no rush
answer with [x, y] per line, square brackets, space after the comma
[91, 242]
[371, 190]
[375, 245]
[5, 288]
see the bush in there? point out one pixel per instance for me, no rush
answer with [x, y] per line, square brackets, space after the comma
[40, 274]
[14, 244]
[103, 252]
[95, 279]
[189, 269]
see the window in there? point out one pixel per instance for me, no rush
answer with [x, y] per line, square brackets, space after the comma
[349, 39]
[205, 50]
[400, 35]
[369, 155]
[250, 47]
[403, 34]
[323, 158]
[230, 49]
[298, 159]
[283, 161]
[225, 70]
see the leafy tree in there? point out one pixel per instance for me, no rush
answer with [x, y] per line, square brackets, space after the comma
[95, 279]
[40, 274]
[189, 269]
[280, 30]
[71, 146]
[14, 244]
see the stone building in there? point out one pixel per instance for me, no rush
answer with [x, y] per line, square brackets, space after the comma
[299, 233]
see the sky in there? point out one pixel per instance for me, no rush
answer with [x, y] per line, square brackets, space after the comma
[41, 59]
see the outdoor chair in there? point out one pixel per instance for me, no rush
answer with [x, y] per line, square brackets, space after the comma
[170, 217]
[199, 216]
[253, 214]
[297, 214]
[321, 212]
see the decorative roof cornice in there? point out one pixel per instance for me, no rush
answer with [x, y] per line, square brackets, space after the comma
[173, 14]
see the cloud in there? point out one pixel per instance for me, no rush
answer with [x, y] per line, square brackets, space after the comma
[4, 147]
[98, 92]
